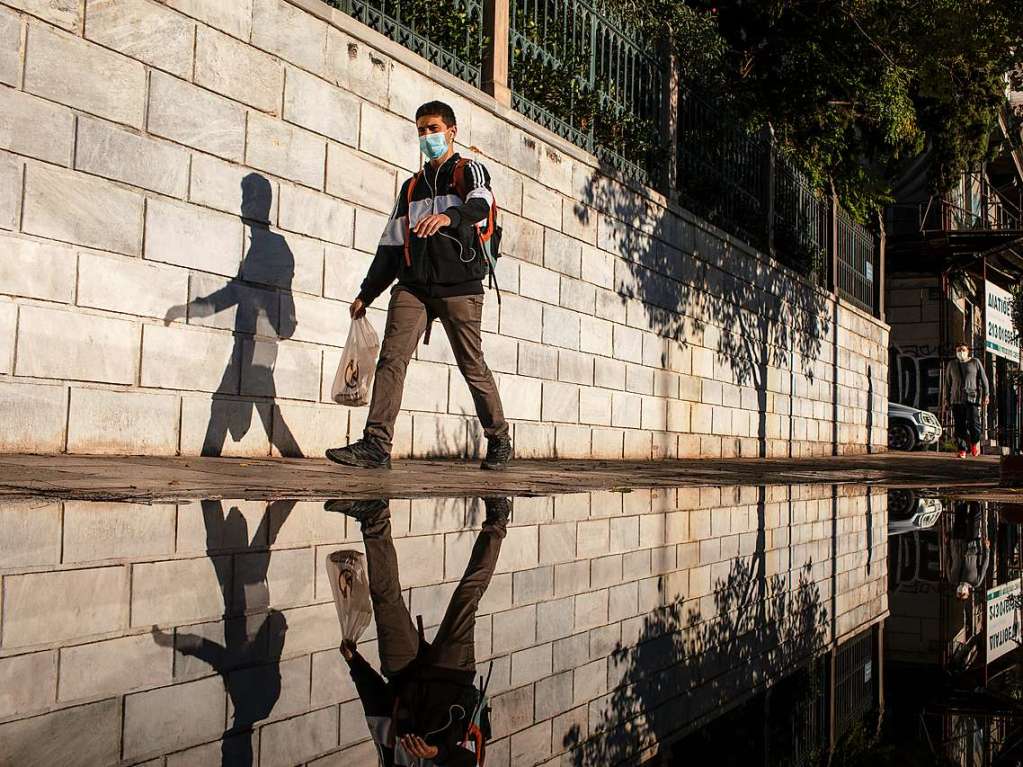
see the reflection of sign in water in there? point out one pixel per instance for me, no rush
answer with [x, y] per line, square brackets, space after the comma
[1001, 338]
[352, 374]
[1002, 634]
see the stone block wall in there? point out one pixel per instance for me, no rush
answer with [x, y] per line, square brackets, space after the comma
[239, 159]
[133, 634]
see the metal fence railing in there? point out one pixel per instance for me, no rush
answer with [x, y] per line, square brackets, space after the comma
[585, 74]
[854, 252]
[448, 34]
[722, 169]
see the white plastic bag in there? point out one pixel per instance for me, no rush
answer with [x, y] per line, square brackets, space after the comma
[349, 583]
[354, 375]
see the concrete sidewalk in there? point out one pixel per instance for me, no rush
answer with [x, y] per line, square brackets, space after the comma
[156, 478]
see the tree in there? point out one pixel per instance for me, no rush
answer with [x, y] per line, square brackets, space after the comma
[855, 87]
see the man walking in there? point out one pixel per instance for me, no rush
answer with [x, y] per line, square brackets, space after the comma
[967, 387]
[433, 246]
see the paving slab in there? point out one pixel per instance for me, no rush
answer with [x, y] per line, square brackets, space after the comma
[150, 479]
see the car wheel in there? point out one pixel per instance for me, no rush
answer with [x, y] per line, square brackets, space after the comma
[902, 436]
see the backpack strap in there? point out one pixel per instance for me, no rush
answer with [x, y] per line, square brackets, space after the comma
[408, 217]
[458, 178]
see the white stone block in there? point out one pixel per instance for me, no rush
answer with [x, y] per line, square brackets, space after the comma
[190, 359]
[285, 151]
[573, 441]
[144, 31]
[574, 367]
[678, 415]
[63, 13]
[501, 353]
[655, 414]
[608, 444]
[597, 267]
[439, 436]
[282, 369]
[560, 327]
[534, 440]
[195, 117]
[105, 150]
[28, 683]
[36, 269]
[113, 667]
[360, 179]
[357, 67]
[191, 236]
[389, 137]
[541, 204]
[368, 226]
[10, 190]
[522, 239]
[560, 402]
[84, 347]
[34, 417]
[30, 534]
[318, 106]
[290, 32]
[237, 70]
[33, 126]
[69, 70]
[562, 253]
[628, 344]
[72, 207]
[320, 321]
[95, 531]
[344, 272]
[520, 396]
[595, 406]
[539, 283]
[626, 410]
[538, 361]
[10, 48]
[58, 606]
[231, 305]
[219, 185]
[314, 428]
[122, 422]
[233, 18]
[521, 318]
[225, 426]
[596, 336]
[317, 215]
[609, 373]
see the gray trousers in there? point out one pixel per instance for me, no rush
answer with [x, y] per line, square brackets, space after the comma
[407, 316]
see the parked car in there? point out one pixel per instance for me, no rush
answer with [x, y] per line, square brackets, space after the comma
[912, 511]
[910, 428]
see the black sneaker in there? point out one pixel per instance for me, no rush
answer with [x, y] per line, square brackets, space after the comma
[499, 452]
[498, 509]
[358, 510]
[362, 454]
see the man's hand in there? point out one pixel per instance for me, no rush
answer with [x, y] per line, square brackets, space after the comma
[429, 226]
[418, 747]
[357, 309]
[348, 649]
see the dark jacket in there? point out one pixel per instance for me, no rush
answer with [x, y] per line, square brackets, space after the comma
[451, 262]
[431, 702]
[966, 381]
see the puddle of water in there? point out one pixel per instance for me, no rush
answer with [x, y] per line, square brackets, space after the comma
[611, 626]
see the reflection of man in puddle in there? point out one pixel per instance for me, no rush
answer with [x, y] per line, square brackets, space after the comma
[968, 549]
[262, 316]
[419, 711]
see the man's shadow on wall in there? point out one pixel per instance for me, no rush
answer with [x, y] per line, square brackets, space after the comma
[248, 661]
[262, 317]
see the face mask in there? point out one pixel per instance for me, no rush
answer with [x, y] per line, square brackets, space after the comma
[433, 145]
[963, 356]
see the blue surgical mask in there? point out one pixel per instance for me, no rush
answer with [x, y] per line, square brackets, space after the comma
[433, 145]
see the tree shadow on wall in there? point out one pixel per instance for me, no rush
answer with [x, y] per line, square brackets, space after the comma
[696, 289]
[248, 660]
[262, 316]
[694, 660]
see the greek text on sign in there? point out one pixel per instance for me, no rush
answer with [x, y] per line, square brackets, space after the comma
[1001, 337]
[1002, 632]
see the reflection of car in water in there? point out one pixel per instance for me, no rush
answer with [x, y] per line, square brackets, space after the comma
[910, 511]
[910, 428]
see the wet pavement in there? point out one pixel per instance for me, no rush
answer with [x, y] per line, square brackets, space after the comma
[162, 478]
[687, 624]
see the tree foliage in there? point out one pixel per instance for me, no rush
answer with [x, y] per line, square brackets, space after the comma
[854, 86]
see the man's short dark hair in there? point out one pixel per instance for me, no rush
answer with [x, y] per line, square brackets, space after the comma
[437, 109]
